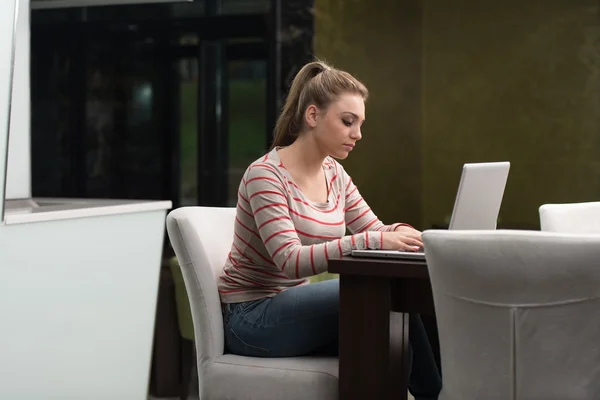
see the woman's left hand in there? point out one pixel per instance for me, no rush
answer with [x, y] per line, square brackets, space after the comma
[409, 231]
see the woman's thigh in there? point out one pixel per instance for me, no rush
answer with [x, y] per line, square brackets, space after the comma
[295, 322]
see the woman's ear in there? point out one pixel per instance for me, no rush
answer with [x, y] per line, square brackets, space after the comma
[310, 116]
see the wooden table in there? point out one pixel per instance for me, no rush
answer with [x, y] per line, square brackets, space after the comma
[376, 296]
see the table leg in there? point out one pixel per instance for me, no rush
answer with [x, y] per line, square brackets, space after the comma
[399, 355]
[371, 366]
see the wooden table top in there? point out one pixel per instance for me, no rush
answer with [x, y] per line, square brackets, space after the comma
[384, 267]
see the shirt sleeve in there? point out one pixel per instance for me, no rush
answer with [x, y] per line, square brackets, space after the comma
[268, 200]
[359, 216]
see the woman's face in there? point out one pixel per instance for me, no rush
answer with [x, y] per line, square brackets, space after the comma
[338, 128]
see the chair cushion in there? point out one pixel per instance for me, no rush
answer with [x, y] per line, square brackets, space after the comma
[249, 378]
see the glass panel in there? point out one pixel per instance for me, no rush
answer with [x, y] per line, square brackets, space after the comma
[132, 85]
[123, 128]
[127, 13]
[247, 101]
[101, 102]
[60, 15]
[51, 70]
[121, 13]
[238, 7]
[188, 130]
[187, 10]
[98, 122]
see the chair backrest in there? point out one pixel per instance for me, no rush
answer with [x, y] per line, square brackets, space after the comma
[202, 238]
[518, 313]
[571, 218]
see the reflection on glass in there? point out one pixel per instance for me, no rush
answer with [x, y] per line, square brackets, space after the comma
[123, 131]
[52, 70]
[247, 118]
[100, 126]
[188, 123]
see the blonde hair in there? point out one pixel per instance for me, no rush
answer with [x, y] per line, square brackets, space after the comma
[316, 83]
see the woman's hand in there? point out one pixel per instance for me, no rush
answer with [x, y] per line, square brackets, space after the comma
[404, 238]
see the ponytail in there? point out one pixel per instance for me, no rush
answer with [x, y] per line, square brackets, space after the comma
[289, 122]
[316, 83]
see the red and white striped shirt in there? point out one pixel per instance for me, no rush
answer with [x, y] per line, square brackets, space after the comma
[281, 237]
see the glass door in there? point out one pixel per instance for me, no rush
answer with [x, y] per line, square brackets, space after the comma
[246, 105]
[232, 118]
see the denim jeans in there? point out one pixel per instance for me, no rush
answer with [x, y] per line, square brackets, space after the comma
[305, 320]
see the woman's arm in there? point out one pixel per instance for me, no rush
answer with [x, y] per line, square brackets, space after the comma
[267, 201]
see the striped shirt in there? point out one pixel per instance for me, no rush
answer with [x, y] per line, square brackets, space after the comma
[281, 238]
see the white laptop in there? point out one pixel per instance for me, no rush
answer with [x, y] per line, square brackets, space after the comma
[476, 207]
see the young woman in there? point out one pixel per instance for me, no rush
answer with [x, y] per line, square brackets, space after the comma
[294, 206]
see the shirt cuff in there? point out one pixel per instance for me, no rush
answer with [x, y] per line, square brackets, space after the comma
[399, 224]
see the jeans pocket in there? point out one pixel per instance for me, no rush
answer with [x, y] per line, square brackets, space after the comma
[241, 347]
[230, 309]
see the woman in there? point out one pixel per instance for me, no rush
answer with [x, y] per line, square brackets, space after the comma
[294, 206]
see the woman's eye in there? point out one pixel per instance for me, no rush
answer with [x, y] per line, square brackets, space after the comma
[347, 123]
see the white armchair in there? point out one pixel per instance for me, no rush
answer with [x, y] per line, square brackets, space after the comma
[518, 314]
[201, 238]
[571, 218]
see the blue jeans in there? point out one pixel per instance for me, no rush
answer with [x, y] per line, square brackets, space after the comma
[305, 320]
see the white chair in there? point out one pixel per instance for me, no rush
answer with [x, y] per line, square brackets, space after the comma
[201, 238]
[518, 314]
[571, 218]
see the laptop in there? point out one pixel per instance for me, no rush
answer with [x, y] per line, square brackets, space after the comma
[476, 207]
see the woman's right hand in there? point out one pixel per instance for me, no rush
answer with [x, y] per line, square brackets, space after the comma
[404, 241]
